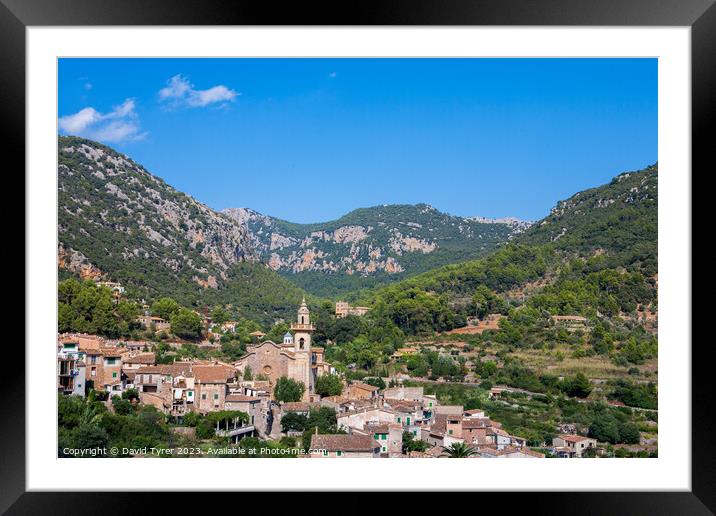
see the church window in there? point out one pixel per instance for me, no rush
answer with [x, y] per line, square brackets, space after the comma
[301, 342]
[303, 320]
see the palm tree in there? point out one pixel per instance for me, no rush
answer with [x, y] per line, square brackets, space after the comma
[458, 450]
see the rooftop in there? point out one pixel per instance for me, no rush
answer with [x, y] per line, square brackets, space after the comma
[342, 442]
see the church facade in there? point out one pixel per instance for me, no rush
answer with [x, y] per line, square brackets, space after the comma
[295, 357]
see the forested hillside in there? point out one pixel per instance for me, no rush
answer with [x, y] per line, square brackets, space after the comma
[595, 254]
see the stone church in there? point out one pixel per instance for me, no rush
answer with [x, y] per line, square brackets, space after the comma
[295, 357]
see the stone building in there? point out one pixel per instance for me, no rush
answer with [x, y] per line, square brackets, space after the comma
[294, 358]
[343, 309]
[350, 445]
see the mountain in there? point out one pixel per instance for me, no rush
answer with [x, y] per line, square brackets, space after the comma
[371, 246]
[117, 221]
[595, 253]
[619, 220]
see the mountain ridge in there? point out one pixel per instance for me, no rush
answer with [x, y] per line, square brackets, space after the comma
[379, 244]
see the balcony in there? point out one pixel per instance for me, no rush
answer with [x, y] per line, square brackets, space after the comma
[240, 430]
[299, 326]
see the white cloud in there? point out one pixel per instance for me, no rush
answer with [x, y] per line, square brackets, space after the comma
[119, 125]
[179, 91]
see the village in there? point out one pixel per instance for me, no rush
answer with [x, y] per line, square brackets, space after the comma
[392, 422]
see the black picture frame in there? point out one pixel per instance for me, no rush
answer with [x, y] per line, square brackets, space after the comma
[700, 15]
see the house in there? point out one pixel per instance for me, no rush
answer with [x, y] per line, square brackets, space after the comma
[343, 309]
[474, 414]
[104, 369]
[154, 323]
[251, 405]
[361, 418]
[408, 414]
[445, 430]
[360, 390]
[344, 445]
[388, 435]
[404, 393]
[453, 410]
[495, 392]
[133, 361]
[210, 381]
[168, 387]
[570, 445]
[116, 288]
[474, 430]
[71, 370]
[498, 438]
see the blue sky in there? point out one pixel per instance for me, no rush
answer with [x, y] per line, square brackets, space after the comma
[308, 140]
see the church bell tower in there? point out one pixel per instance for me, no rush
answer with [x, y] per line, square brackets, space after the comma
[302, 330]
[303, 366]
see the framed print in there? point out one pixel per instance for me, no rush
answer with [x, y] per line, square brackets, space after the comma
[411, 234]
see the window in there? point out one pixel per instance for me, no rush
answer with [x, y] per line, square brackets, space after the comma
[203, 396]
[114, 374]
[301, 342]
[398, 419]
[407, 420]
[339, 453]
[384, 449]
[325, 453]
[216, 396]
[384, 437]
[449, 432]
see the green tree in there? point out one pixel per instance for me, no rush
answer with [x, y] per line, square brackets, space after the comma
[410, 443]
[329, 385]
[165, 308]
[186, 324]
[288, 389]
[578, 386]
[293, 421]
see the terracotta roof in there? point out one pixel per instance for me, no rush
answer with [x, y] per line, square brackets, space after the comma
[365, 386]
[141, 358]
[482, 422]
[497, 431]
[402, 405]
[111, 352]
[213, 373]
[296, 406]
[335, 399]
[342, 442]
[383, 428]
